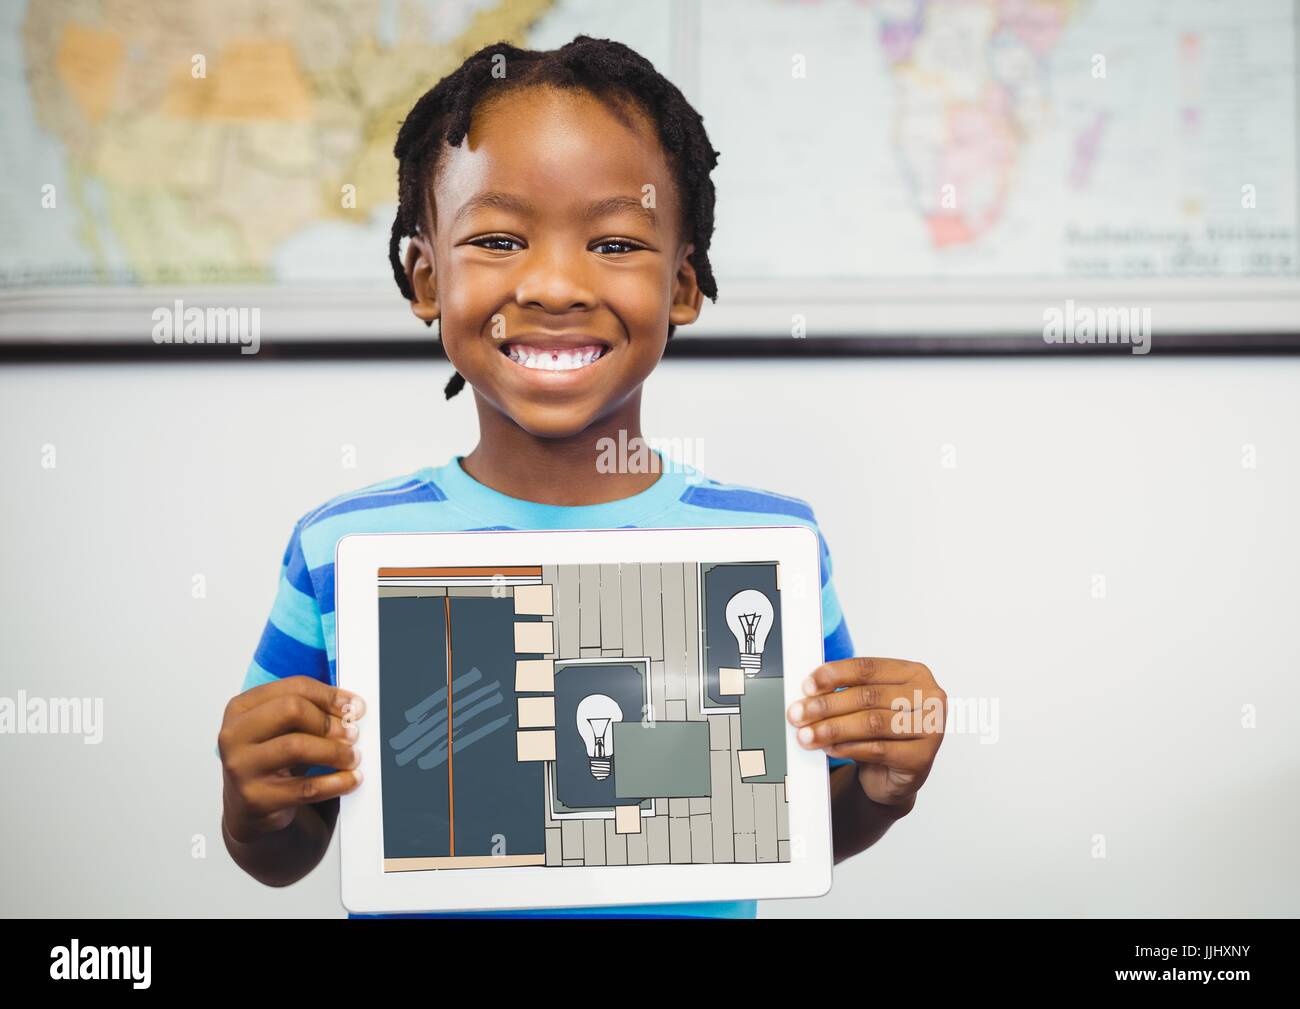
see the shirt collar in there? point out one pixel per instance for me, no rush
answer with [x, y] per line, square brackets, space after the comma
[488, 507]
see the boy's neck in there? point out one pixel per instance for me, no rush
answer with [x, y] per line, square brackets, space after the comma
[555, 471]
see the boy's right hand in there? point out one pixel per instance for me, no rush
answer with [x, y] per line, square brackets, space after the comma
[269, 736]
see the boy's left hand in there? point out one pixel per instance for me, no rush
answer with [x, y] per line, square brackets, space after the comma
[894, 746]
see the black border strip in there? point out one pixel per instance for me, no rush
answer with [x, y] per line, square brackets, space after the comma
[680, 347]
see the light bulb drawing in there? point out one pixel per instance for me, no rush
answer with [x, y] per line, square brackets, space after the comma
[595, 717]
[749, 616]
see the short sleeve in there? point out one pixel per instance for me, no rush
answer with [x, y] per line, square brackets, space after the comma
[293, 640]
[838, 644]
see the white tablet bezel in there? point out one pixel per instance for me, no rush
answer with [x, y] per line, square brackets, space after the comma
[367, 889]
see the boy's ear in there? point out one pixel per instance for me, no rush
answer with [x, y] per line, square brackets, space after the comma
[687, 296]
[419, 270]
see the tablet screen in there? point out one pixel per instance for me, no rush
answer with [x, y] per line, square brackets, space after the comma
[579, 715]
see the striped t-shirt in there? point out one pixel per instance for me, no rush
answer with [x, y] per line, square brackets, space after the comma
[299, 636]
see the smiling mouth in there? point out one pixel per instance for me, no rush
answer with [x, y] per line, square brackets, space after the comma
[554, 358]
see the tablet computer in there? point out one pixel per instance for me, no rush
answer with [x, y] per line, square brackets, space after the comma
[580, 717]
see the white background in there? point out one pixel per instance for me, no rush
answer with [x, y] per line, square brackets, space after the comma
[1119, 716]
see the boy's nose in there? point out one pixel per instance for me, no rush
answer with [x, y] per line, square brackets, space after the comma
[554, 281]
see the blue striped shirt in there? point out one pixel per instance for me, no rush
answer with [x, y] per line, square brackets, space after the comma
[298, 639]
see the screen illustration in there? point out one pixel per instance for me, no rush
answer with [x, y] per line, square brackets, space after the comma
[582, 715]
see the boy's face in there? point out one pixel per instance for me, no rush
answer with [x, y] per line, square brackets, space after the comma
[555, 283]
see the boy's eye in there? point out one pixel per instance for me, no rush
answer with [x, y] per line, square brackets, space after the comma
[504, 243]
[623, 247]
[485, 243]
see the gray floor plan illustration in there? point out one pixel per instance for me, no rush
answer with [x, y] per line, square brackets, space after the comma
[582, 715]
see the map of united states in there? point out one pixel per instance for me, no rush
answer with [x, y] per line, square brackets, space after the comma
[218, 130]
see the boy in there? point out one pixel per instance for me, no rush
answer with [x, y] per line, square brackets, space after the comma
[559, 212]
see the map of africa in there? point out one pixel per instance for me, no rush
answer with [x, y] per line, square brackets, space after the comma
[229, 141]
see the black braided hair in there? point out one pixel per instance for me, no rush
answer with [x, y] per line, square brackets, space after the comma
[609, 71]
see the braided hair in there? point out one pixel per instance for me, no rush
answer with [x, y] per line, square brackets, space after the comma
[609, 71]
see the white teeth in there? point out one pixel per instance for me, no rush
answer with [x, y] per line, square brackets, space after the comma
[540, 359]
